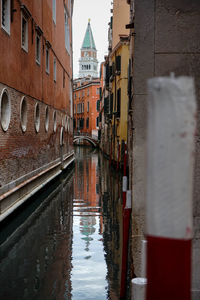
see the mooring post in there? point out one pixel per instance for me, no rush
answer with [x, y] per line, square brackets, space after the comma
[139, 284]
[169, 183]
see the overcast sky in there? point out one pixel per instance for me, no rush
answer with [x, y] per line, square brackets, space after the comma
[98, 11]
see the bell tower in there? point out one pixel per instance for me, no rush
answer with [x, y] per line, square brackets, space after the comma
[88, 63]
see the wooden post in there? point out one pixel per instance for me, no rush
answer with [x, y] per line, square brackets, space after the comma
[169, 183]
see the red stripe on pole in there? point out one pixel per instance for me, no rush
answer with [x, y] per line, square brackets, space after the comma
[168, 269]
[126, 222]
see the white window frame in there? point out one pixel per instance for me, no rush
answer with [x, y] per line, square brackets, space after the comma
[25, 45]
[6, 26]
[47, 59]
[37, 57]
[54, 69]
[54, 11]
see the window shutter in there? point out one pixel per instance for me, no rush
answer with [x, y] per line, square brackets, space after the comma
[111, 103]
[118, 102]
[118, 64]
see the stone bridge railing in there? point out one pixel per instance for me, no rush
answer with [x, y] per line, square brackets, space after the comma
[92, 139]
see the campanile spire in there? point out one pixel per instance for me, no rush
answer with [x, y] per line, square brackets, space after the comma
[88, 63]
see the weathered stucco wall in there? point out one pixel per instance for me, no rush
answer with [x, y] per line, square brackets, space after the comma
[166, 40]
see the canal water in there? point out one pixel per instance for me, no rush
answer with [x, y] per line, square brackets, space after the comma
[66, 242]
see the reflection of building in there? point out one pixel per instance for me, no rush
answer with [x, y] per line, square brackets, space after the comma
[35, 262]
[86, 181]
[86, 188]
[112, 221]
[87, 228]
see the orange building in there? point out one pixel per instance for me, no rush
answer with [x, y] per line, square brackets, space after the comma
[87, 88]
[35, 96]
[87, 105]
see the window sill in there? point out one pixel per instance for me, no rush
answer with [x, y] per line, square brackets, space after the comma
[24, 49]
[38, 63]
[5, 30]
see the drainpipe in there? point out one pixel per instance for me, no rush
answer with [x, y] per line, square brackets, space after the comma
[115, 109]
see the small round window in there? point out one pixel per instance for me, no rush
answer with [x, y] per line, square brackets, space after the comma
[5, 107]
[54, 121]
[37, 117]
[23, 114]
[61, 137]
[46, 119]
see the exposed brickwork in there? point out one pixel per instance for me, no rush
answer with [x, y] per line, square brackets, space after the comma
[23, 152]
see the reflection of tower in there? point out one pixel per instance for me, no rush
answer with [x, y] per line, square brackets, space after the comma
[88, 62]
[87, 228]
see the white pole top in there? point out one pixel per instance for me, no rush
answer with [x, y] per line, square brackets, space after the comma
[170, 157]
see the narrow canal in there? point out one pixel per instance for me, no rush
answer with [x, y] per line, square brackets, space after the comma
[66, 242]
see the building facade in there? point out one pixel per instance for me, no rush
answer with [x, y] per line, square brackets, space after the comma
[87, 94]
[87, 89]
[114, 101]
[35, 96]
[165, 39]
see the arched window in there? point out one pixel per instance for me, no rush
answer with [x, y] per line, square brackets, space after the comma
[46, 124]
[23, 114]
[5, 108]
[54, 121]
[37, 117]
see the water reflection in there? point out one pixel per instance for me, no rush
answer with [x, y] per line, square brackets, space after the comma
[97, 226]
[68, 246]
[35, 261]
[89, 266]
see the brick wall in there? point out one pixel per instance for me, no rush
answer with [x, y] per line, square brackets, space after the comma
[22, 152]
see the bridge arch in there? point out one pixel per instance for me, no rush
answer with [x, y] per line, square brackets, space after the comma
[86, 138]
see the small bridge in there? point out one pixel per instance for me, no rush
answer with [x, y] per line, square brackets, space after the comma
[93, 140]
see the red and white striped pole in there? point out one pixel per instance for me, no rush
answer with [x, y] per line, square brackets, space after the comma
[170, 160]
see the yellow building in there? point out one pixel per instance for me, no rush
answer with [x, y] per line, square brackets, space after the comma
[119, 98]
[114, 101]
